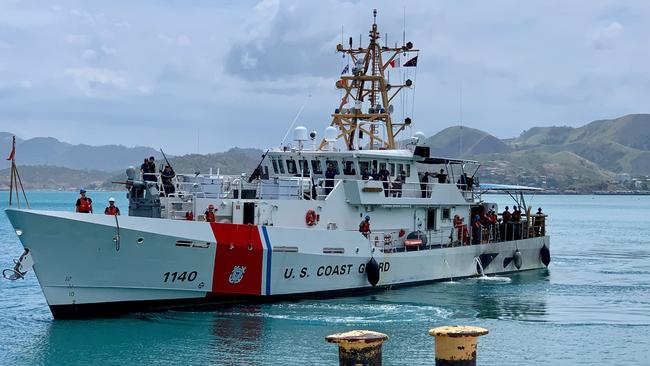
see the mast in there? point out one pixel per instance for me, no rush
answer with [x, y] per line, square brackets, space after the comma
[367, 85]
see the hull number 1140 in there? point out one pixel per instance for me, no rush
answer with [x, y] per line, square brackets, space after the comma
[179, 276]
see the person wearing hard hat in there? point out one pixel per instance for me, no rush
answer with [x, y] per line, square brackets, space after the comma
[364, 226]
[209, 214]
[84, 204]
[112, 209]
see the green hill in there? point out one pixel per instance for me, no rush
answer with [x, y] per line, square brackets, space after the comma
[51, 177]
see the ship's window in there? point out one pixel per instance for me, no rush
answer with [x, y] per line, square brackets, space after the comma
[400, 169]
[281, 166]
[364, 165]
[391, 168]
[275, 166]
[408, 170]
[291, 167]
[335, 165]
[265, 172]
[304, 165]
[348, 168]
[316, 167]
[374, 164]
[431, 219]
[446, 213]
[382, 166]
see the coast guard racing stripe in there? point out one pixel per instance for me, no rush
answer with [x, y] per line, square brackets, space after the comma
[238, 259]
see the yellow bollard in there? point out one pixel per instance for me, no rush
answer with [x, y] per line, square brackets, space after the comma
[456, 345]
[359, 347]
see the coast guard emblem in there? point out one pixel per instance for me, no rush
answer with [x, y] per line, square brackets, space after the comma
[237, 274]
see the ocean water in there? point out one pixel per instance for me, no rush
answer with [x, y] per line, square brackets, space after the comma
[592, 306]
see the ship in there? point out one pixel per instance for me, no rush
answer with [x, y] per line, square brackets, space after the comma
[364, 208]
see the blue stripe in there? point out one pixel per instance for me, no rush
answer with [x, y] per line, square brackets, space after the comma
[269, 254]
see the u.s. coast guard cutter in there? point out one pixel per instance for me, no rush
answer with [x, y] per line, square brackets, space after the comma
[293, 227]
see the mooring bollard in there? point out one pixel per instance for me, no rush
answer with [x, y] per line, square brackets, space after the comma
[359, 347]
[456, 345]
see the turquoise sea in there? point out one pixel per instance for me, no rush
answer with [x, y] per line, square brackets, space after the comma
[592, 306]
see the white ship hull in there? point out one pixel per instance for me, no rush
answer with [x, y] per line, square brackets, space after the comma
[86, 266]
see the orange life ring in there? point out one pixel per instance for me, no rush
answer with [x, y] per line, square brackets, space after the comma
[311, 218]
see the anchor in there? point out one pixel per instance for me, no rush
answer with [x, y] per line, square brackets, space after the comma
[22, 265]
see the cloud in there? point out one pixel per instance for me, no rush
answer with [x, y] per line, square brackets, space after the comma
[180, 40]
[95, 82]
[89, 55]
[606, 37]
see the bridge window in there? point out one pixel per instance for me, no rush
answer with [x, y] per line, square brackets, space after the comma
[291, 167]
[275, 166]
[408, 170]
[316, 167]
[334, 163]
[400, 169]
[391, 168]
[446, 213]
[280, 166]
[348, 168]
[364, 165]
[304, 165]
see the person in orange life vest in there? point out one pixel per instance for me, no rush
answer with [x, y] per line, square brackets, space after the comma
[461, 229]
[210, 214]
[506, 215]
[476, 230]
[189, 216]
[111, 209]
[516, 214]
[84, 204]
[364, 226]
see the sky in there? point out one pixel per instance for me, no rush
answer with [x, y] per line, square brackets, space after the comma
[204, 76]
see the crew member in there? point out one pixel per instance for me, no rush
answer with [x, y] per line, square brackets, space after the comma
[84, 204]
[516, 222]
[365, 175]
[462, 182]
[506, 215]
[330, 174]
[210, 214]
[461, 229]
[364, 226]
[424, 184]
[442, 177]
[166, 177]
[538, 225]
[144, 169]
[398, 183]
[150, 174]
[477, 228]
[516, 214]
[492, 219]
[112, 209]
[383, 177]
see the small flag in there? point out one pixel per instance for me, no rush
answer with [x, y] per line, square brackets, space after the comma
[394, 62]
[345, 99]
[412, 62]
[13, 150]
[345, 70]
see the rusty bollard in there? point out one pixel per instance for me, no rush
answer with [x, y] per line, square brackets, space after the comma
[456, 345]
[359, 347]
